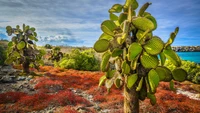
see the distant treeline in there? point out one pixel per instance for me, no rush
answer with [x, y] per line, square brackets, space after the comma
[175, 48]
[186, 48]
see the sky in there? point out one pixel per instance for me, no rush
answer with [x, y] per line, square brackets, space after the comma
[77, 22]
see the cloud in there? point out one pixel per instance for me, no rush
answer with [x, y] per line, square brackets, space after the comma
[79, 21]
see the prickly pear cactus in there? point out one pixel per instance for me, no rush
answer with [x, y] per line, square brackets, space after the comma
[21, 49]
[56, 54]
[128, 43]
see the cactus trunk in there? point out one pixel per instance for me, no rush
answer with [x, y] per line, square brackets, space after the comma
[131, 100]
[26, 66]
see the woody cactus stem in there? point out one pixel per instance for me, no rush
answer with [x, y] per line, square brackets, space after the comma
[131, 99]
[128, 43]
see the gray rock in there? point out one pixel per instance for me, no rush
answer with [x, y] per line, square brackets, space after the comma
[8, 79]
[21, 78]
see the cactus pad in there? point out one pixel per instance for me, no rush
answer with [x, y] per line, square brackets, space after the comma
[179, 74]
[149, 61]
[143, 23]
[154, 46]
[134, 50]
[101, 45]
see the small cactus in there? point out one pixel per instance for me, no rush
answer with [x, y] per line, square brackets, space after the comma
[56, 54]
[21, 49]
[128, 39]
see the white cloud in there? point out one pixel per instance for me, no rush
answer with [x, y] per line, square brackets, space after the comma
[81, 19]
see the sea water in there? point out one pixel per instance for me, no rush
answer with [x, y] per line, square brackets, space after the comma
[191, 56]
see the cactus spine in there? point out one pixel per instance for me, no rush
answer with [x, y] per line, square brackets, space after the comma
[128, 39]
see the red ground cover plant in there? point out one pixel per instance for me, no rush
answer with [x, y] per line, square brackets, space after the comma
[62, 79]
[11, 97]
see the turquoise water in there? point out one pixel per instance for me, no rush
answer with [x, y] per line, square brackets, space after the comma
[191, 56]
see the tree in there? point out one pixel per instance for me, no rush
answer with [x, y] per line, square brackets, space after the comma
[128, 43]
[21, 49]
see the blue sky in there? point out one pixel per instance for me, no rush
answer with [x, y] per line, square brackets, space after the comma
[77, 22]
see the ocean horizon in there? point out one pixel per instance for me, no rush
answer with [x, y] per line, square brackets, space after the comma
[190, 56]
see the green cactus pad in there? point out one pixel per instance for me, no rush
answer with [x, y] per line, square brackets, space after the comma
[21, 45]
[152, 98]
[141, 34]
[125, 68]
[134, 63]
[110, 73]
[149, 61]
[122, 17]
[153, 78]
[15, 54]
[108, 27]
[143, 23]
[171, 39]
[10, 44]
[134, 4]
[116, 52]
[143, 9]
[154, 46]
[116, 8]
[179, 74]
[105, 61]
[32, 29]
[152, 20]
[162, 58]
[164, 74]
[102, 80]
[9, 30]
[14, 39]
[106, 30]
[105, 36]
[101, 45]
[172, 56]
[176, 30]
[118, 83]
[31, 37]
[113, 17]
[134, 50]
[140, 84]
[131, 80]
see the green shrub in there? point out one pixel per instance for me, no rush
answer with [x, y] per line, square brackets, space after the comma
[79, 60]
[2, 55]
[48, 46]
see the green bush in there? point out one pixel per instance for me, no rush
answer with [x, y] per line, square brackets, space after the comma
[193, 70]
[79, 60]
[2, 55]
[48, 46]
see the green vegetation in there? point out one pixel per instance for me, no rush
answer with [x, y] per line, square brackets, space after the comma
[128, 43]
[192, 69]
[21, 49]
[48, 46]
[56, 54]
[79, 60]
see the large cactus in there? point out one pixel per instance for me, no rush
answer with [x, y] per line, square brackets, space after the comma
[21, 49]
[128, 43]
